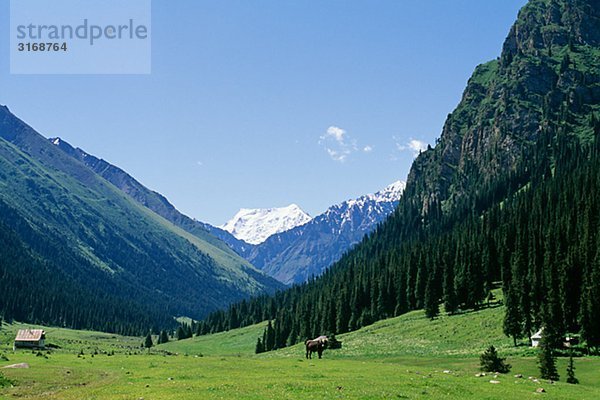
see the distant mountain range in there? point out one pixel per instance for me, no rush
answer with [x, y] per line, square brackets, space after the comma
[254, 226]
[97, 248]
[286, 243]
[295, 255]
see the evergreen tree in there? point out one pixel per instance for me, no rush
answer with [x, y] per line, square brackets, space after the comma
[491, 362]
[163, 337]
[260, 348]
[234, 321]
[344, 313]
[180, 333]
[547, 361]
[512, 323]
[590, 304]
[450, 300]
[571, 371]
[328, 324]
[148, 341]
[269, 337]
[432, 306]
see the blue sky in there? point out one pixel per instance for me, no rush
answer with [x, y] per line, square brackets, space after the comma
[266, 103]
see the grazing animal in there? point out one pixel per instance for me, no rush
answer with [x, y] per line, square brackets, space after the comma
[316, 346]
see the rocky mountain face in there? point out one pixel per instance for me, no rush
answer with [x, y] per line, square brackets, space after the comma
[296, 255]
[107, 260]
[549, 66]
[254, 226]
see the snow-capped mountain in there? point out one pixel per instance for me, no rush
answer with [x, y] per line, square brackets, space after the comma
[254, 226]
[297, 254]
[360, 214]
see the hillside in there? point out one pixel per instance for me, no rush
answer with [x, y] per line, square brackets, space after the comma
[409, 335]
[106, 262]
[233, 342]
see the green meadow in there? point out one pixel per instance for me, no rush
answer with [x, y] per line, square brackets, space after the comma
[407, 357]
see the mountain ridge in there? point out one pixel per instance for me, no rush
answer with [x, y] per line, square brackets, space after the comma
[298, 254]
[147, 197]
[82, 230]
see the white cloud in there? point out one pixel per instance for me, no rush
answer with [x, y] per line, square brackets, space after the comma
[368, 149]
[415, 146]
[338, 155]
[337, 143]
[199, 163]
[336, 133]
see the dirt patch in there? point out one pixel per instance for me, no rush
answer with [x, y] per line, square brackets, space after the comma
[21, 365]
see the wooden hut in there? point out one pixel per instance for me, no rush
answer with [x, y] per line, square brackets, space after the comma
[30, 339]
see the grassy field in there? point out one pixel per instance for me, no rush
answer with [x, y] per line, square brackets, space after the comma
[237, 342]
[408, 357]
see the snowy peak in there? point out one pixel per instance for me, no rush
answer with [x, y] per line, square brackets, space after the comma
[371, 203]
[254, 226]
[390, 194]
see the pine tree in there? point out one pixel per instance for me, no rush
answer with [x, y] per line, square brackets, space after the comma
[163, 337]
[269, 337]
[180, 334]
[328, 324]
[260, 348]
[491, 362]
[148, 341]
[571, 371]
[432, 307]
[450, 300]
[343, 316]
[293, 336]
[547, 361]
[234, 321]
[590, 303]
[512, 323]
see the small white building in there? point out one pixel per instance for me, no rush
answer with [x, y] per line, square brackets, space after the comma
[30, 339]
[535, 339]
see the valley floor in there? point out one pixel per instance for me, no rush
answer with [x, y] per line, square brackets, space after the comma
[407, 357]
[180, 377]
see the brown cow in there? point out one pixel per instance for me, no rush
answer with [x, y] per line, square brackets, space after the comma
[316, 346]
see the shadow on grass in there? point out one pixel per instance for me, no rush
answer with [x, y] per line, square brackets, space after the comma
[486, 306]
